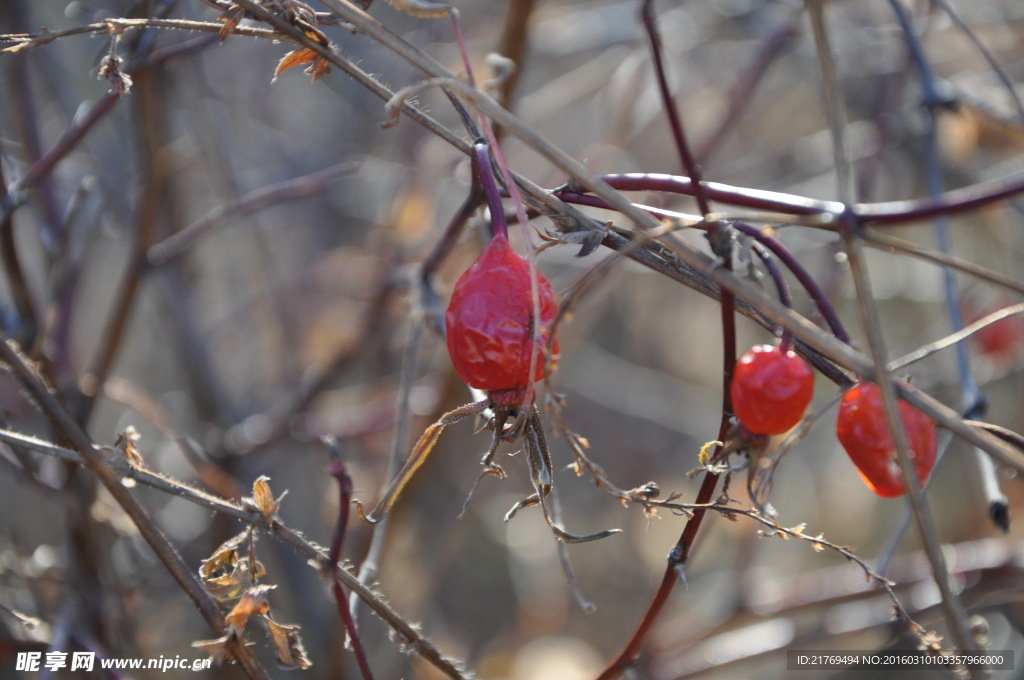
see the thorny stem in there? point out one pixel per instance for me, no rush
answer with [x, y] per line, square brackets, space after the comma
[422, 646]
[821, 301]
[272, 526]
[955, 614]
[110, 477]
[338, 471]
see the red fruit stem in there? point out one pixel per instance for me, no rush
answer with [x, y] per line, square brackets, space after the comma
[338, 471]
[482, 169]
[815, 292]
[785, 297]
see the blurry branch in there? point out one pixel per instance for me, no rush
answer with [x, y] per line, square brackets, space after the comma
[955, 614]
[109, 470]
[954, 338]
[410, 636]
[289, 190]
[746, 84]
[152, 185]
[513, 46]
[21, 295]
[994, 64]
[275, 421]
[80, 126]
[27, 41]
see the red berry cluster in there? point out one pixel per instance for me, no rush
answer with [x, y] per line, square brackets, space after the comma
[864, 433]
[771, 389]
[490, 321]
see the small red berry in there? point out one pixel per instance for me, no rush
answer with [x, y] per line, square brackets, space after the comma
[1002, 341]
[490, 321]
[771, 389]
[863, 432]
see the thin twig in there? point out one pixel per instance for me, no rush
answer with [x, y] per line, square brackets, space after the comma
[292, 189]
[111, 478]
[955, 614]
[412, 637]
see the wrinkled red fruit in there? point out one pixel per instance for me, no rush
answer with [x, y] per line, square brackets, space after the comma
[771, 389]
[863, 432]
[489, 321]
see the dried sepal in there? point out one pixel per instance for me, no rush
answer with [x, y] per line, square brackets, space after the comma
[110, 70]
[319, 66]
[252, 603]
[125, 443]
[291, 654]
[217, 649]
[225, 574]
[263, 498]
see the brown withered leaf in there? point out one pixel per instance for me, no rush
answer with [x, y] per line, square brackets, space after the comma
[264, 499]
[224, 574]
[125, 443]
[217, 649]
[253, 603]
[287, 644]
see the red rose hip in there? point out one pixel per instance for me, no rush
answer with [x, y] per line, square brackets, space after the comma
[864, 433]
[489, 322]
[771, 389]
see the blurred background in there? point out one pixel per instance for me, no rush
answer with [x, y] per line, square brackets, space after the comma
[287, 319]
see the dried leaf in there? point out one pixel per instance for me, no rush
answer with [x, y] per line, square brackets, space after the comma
[125, 443]
[294, 58]
[224, 574]
[264, 498]
[287, 644]
[217, 649]
[253, 603]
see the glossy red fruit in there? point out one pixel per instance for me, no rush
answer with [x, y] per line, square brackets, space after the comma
[771, 389]
[490, 319]
[863, 432]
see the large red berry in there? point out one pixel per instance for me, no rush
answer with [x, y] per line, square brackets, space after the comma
[490, 320]
[864, 433]
[771, 389]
